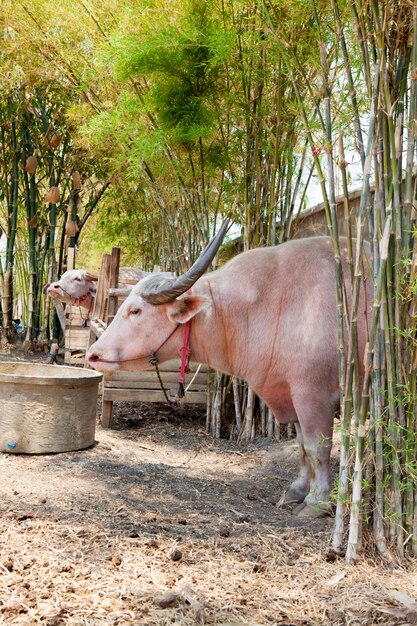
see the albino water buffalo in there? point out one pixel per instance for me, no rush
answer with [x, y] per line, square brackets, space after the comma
[74, 287]
[79, 286]
[267, 316]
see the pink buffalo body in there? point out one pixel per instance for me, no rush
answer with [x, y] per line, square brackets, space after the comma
[268, 316]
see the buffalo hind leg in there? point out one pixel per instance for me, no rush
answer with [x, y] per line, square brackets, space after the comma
[317, 443]
[300, 488]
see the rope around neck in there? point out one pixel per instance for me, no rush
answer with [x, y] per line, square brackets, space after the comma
[185, 359]
[153, 360]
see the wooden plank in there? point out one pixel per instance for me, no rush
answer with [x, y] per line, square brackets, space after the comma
[74, 317]
[72, 320]
[79, 346]
[100, 304]
[76, 336]
[128, 281]
[75, 350]
[106, 414]
[145, 386]
[153, 384]
[113, 279]
[77, 333]
[79, 342]
[76, 345]
[169, 366]
[71, 346]
[135, 395]
[70, 258]
[119, 292]
[150, 376]
[147, 375]
[115, 267]
[71, 327]
[78, 359]
[74, 358]
[97, 328]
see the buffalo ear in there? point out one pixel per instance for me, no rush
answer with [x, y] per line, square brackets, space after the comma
[183, 309]
[91, 277]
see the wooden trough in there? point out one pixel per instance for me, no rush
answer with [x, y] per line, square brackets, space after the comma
[45, 408]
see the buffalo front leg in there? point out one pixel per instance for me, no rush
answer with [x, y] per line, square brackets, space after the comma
[317, 501]
[300, 488]
[317, 443]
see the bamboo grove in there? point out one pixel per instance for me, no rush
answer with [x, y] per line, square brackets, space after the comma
[45, 209]
[174, 114]
[376, 493]
[377, 480]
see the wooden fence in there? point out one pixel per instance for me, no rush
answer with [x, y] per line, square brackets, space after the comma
[141, 386]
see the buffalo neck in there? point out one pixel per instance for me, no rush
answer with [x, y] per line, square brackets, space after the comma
[209, 334]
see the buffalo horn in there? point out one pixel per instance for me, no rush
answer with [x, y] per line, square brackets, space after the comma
[174, 287]
[91, 277]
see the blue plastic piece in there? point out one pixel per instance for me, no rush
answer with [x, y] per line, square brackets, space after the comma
[11, 445]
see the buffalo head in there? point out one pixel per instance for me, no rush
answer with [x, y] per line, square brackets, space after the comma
[74, 287]
[147, 320]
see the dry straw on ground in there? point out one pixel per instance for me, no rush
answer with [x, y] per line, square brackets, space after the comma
[159, 524]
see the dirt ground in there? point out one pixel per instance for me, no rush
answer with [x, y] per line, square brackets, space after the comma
[159, 524]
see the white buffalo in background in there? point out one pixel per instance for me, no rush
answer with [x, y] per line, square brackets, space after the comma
[76, 287]
[79, 287]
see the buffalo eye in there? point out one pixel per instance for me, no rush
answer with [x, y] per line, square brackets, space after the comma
[135, 311]
[77, 278]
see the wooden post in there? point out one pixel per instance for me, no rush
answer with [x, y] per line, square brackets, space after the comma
[106, 413]
[71, 258]
[113, 281]
[100, 304]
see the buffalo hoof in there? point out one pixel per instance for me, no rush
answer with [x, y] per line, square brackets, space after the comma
[312, 510]
[294, 496]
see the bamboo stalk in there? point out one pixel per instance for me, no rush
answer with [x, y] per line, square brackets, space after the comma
[263, 410]
[378, 521]
[217, 407]
[11, 231]
[351, 83]
[348, 226]
[249, 415]
[355, 515]
[30, 192]
[270, 425]
[238, 409]
[411, 138]
[6, 279]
